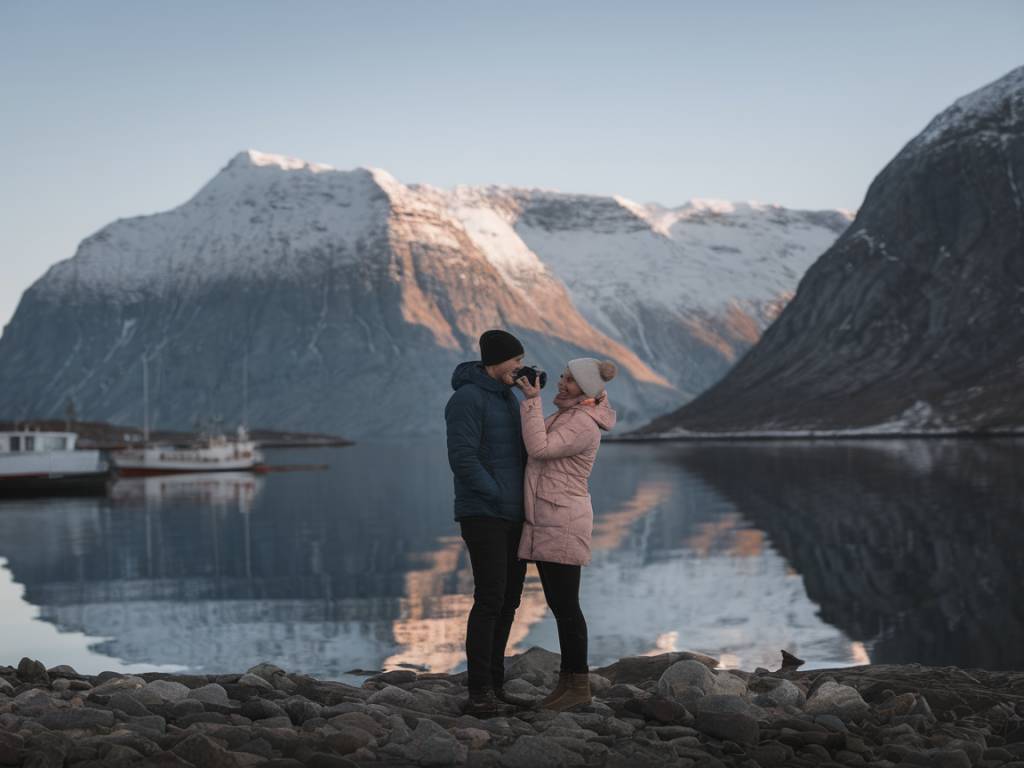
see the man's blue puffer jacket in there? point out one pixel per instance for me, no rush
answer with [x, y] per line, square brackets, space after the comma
[485, 445]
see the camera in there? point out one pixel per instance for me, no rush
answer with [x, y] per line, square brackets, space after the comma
[531, 372]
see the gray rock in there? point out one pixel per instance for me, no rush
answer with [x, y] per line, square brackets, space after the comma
[433, 702]
[686, 681]
[255, 681]
[119, 683]
[6, 688]
[534, 660]
[728, 683]
[398, 731]
[776, 692]
[78, 717]
[521, 687]
[128, 704]
[182, 708]
[599, 683]
[300, 710]
[843, 701]
[274, 675]
[539, 752]
[63, 670]
[147, 723]
[358, 719]
[276, 722]
[396, 677]
[210, 694]
[33, 671]
[475, 738]
[203, 751]
[624, 691]
[942, 757]
[832, 722]
[163, 691]
[392, 696]
[32, 700]
[728, 717]
[260, 709]
[348, 739]
[974, 750]
[433, 745]
[11, 745]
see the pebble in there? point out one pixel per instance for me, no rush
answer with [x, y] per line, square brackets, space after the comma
[684, 714]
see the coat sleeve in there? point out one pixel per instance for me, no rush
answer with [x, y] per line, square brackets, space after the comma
[464, 422]
[566, 439]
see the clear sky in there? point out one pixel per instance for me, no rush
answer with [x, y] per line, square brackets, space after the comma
[117, 108]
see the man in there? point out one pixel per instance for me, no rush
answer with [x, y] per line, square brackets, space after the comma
[488, 460]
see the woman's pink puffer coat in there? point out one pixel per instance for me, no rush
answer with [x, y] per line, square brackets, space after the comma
[562, 448]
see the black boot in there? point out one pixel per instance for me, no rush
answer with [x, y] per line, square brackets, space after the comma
[484, 703]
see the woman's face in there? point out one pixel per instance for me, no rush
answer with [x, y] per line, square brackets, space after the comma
[567, 386]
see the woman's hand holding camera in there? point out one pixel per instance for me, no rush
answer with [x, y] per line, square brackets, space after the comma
[530, 390]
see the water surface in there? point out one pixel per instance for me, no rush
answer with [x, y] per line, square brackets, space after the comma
[841, 552]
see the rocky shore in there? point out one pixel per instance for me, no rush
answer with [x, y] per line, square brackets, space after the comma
[675, 709]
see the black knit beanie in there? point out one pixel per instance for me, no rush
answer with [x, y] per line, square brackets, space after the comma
[498, 346]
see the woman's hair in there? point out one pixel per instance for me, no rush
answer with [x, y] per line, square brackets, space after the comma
[607, 369]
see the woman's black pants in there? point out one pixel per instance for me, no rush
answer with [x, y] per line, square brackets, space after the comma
[562, 591]
[498, 576]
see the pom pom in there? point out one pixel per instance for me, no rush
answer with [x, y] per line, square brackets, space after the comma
[607, 369]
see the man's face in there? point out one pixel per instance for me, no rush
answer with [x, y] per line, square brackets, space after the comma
[503, 371]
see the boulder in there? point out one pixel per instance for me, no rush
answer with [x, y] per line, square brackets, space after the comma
[212, 693]
[539, 752]
[833, 698]
[118, 683]
[686, 681]
[433, 745]
[162, 691]
[33, 671]
[775, 692]
[535, 660]
[727, 717]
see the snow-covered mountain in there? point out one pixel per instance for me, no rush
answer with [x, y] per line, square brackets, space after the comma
[349, 297]
[689, 289]
[913, 321]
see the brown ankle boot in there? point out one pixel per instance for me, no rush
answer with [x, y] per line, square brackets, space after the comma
[577, 692]
[559, 689]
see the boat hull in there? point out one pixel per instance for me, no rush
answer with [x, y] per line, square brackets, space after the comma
[45, 484]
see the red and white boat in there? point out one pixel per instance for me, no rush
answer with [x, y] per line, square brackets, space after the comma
[211, 453]
[47, 462]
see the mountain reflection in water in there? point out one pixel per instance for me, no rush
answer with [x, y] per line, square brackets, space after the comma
[841, 552]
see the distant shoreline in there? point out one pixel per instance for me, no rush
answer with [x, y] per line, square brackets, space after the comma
[809, 435]
[104, 436]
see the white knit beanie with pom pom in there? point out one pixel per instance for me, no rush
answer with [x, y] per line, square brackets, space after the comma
[592, 374]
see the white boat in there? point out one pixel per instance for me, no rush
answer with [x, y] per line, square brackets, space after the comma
[211, 453]
[41, 461]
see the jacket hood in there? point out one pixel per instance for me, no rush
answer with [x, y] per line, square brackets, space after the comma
[472, 372]
[602, 413]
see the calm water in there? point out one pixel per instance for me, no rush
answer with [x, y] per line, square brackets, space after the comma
[840, 552]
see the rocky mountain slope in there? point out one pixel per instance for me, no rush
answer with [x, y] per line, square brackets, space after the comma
[348, 297]
[913, 321]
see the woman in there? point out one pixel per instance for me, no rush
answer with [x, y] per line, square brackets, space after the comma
[559, 517]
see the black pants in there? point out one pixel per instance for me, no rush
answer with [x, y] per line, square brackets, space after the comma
[498, 576]
[562, 591]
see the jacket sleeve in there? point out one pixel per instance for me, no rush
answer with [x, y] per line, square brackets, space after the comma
[565, 440]
[464, 421]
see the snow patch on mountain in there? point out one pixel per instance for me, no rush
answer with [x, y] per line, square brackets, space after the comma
[1001, 100]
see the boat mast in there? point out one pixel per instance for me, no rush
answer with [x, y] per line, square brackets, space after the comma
[145, 401]
[245, 388]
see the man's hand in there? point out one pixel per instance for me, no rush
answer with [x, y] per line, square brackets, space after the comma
[529, 390]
